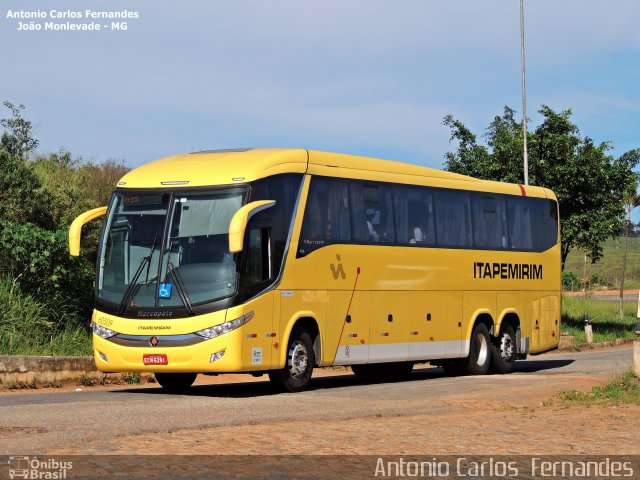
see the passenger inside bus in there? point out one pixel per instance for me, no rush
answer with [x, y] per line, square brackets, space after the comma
[373, 235]
[418, 236]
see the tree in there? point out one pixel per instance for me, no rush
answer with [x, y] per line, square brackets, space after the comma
[18, 138]
[22, 198]
[21, 195]
[61, 177]
[589, 183]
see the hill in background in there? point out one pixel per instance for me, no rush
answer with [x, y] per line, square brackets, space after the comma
[608, 270]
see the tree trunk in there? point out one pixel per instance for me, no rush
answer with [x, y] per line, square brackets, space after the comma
[564, 253]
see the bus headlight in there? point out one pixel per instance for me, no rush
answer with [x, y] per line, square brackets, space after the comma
[226, 327]
[102, 331]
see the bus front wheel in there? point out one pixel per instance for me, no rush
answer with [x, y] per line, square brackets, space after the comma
[296, 374]
[479, 359]
[503, 357]
[176, 382]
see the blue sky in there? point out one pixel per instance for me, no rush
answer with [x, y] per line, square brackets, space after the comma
[369, 77]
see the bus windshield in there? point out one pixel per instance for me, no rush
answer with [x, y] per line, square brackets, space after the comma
[168, 249]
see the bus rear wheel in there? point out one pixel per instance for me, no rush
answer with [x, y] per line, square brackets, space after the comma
[479, 359]
[296, 374]
[503, 358]
[176, 382]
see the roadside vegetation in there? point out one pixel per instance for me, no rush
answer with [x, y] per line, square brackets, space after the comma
[606, 273]
[46, 296]
[603, 317]
[622, 389]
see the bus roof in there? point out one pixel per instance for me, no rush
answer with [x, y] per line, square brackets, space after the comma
[227, 167]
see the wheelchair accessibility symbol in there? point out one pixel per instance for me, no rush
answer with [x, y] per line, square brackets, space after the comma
[165, 290]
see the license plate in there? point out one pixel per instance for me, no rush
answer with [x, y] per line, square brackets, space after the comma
[155, 359]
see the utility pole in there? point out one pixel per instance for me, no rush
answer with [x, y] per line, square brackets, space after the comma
[524, 97]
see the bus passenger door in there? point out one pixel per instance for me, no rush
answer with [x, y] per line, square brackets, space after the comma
[257, 275]
[390, 324]
[427, 325]
[347, 337]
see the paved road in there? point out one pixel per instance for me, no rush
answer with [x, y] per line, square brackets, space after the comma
[38, 423]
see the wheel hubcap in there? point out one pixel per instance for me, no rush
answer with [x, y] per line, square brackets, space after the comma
[298, 359]
[482, 348]
[506, 347]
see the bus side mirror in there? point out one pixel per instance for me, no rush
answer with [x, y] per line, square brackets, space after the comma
[239, 222]
[75, 230]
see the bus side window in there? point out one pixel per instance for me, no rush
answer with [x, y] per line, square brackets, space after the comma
[489, 221]
[372, 212]
[453, 218]
[550, 221]
[519, 224]
[326, 216]
[413, 213]
[545, 235]
[359, 220]
[338, 221]
[284, 190]
[258, 268]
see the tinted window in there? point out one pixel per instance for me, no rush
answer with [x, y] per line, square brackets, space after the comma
[413, 211]
[453, 218]
[360, 212]
[489, 221]
[257, 267]
[371, 212]
[326, 217]
[519, 216]
[284, 190]
[545, 234]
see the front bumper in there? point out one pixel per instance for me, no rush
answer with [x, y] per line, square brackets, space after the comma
[113, 357]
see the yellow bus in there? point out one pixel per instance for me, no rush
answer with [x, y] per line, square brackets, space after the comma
[277, 261]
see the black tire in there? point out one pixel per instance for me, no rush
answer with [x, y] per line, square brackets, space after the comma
[296, 374]
[504, 354]
[383, 371]
[479, 359]
[176, 382]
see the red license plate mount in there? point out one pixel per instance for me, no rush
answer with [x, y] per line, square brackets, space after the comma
[155, 359]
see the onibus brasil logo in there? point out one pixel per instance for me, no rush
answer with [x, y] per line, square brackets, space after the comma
[34, 468]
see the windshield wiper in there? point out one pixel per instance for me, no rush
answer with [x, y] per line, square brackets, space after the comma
[132, 285]
[145, 261]
[182, 291]
[153, 247]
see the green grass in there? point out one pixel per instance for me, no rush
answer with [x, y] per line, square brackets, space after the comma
[603, 316]
[30, 326]
[624, 388]
[70, 342]
[610, 265]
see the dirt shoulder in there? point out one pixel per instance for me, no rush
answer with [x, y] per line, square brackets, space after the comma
[518, 421]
